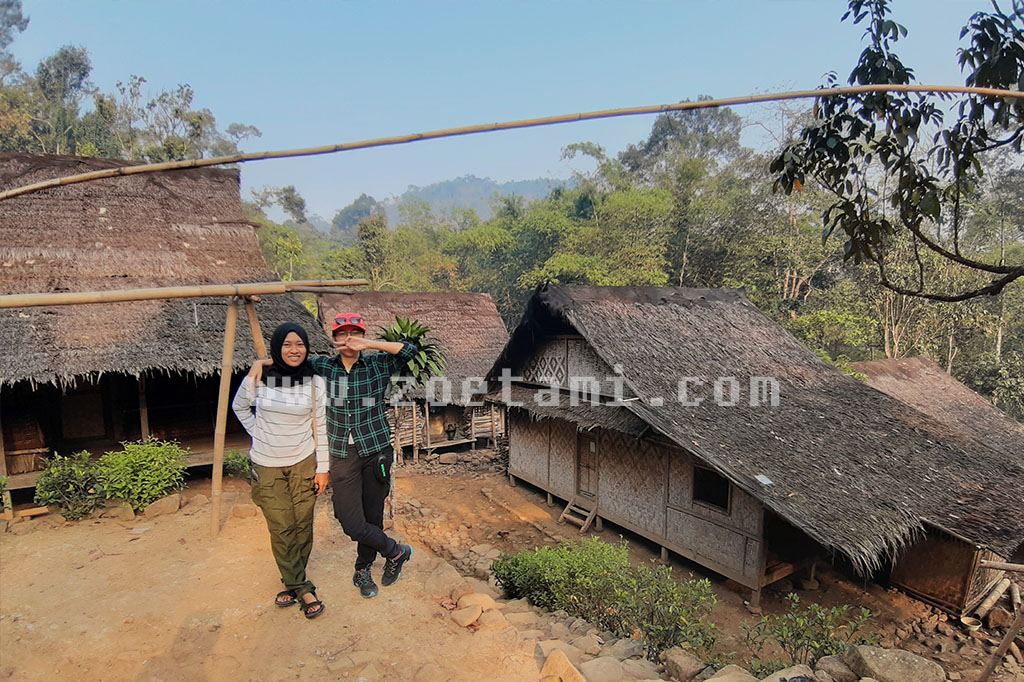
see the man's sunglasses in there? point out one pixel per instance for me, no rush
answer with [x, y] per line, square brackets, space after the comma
[346, 319]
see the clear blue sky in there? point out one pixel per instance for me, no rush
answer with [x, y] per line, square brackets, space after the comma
[313, 73]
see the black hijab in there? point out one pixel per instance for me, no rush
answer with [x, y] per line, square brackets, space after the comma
[281, 373]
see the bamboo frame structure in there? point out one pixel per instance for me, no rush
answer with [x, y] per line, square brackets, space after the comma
[508, 125]
[239, 293]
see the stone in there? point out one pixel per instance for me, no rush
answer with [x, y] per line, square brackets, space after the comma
[243, 511]
[559, 631]
[579, 626]
[23, 527]
[589, 644]
[603, 669]
[891, 665]
[558, 667]
[467, 616]
[681, 664]
[623, 649]
[791, 672]
[822, 676]
[448, 458]
[839, 671]
[493, 620]
[784, 586]
[531, 635]
[515, 606]
[125, 512]
[545, 647]
[198, 500]
[732, 673]
[998, 618]
[483, 588]
[461, 590]
[810, 584]
[165, 505]
[482, 600]
[369, 673]
[527, 619]
[442, 581]
[429, 672]
[139, 530]
[641, 669]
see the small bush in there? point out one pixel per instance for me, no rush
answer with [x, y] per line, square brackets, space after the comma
[593, 580]
[238, 465]
[3, 493]
[71, 483]
[143, 472]
[804, 635]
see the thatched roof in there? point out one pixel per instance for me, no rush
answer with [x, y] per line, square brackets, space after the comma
[855, 469]
[165, 229]
[584, 415]
[467, 325]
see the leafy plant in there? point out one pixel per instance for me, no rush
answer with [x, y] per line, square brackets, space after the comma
[594, 580]
[429, 361]
[144, 471]
[3, 493]
[804, 635]
[238, 465]
[71, 483]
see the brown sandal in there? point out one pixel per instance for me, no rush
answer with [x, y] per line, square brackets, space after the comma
[291, 601]
[307, 607]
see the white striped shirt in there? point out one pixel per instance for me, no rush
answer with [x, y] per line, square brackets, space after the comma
[278, 419]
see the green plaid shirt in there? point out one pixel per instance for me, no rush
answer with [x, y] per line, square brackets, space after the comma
[356, 400]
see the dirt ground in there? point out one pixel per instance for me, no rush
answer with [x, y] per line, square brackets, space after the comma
[158, 599]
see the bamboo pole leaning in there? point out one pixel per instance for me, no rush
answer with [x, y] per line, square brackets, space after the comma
[508, 125]
[220, 432]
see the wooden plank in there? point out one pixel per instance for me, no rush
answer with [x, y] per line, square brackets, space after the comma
[222, 415]
[5, 502]
[494, 430]
[415, 432]
[1002, 566]
[143, 408]
[426, 422]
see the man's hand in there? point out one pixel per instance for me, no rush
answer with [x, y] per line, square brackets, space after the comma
[320, 482]
[353, 343]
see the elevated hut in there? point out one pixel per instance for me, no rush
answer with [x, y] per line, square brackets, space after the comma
[704, 426]
[89, 376]
[945, 567]
[472, 334]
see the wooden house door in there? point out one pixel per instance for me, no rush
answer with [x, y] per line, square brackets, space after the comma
[586, 464]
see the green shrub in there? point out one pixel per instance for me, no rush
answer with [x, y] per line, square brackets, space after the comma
[238, 465]
[804, 635]
[3, 493]
[595, 581]
[143, 472]
[71, 483]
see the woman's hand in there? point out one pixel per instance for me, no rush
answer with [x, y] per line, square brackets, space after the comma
[256, 372]
[320, 483]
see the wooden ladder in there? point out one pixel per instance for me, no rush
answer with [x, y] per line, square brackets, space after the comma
[577, 514]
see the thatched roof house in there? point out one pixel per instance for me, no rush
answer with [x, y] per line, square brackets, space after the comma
[856, 470]
[165, 229]
[68, 376]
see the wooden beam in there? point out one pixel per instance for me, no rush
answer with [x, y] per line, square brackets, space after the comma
[415, 443]
[222, 415]
[163, 293]
[254, 325]
[997, 656]
[426, 422]
[5, 501]
[143, 408]
[494, 429]
[1002, 566]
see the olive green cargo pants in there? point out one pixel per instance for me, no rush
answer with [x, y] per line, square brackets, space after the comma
[286, 496]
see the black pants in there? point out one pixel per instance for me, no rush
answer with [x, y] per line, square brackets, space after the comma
[359, 505]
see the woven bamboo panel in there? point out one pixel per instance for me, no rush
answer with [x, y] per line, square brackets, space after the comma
[528, 447]
[934, 569]
[631, 480]
[745, 511]
[562, 474]
[984, 578]
[680, 479]
[705, 540]
[404, 427]
[547, 364]
[582, 361]
[478, 421]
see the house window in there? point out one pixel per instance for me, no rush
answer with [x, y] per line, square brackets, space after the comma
[711, 489]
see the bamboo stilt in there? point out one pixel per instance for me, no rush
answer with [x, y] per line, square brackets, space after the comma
[143, 408]
[5, 501]
[489, 127]
[998, 654]
[223, 398]
[254, 326]
[992, 598]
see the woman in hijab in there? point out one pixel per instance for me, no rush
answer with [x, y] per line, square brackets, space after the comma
[285, 415]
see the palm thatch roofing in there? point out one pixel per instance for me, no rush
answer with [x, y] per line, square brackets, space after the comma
[165, 229]
[857, 470]
[586, 415]
[468, 326]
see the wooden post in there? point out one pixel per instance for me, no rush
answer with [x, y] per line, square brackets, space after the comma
[426, 423]
[396, 443]
[254, 325]
[664, 556]
[550, 500]
[1018, 622]
[222, 414]
[143, 408]
[415, 440]
[598, 524]
[5, 502]
[494, 430]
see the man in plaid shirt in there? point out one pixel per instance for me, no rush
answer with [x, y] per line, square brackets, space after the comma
[359, 440]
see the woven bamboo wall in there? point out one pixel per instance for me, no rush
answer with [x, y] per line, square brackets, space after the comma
[562, 468]
[528, 443]
[478, 421]
[631, 480]
[934, 568]
[547, 364]
[404, 428]
[582, 361]
[984, 579]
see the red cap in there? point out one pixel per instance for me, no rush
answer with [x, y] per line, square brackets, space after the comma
[343, 320]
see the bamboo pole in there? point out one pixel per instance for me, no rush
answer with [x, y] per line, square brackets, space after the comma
[997, 655]
[161, 293]
[1001, 566]
[5, 500]
[992, 598]
[143, 408]
[254, 326]
[222, 415]
[1015, 597]
[509, 125]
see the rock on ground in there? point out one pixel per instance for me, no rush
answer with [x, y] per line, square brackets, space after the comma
[559, 667]
[544, 649]
[681, 664]
[891, 665]
[792, 671]
[640, 669]
[604, 669]
[732, 673]
[836, 669]
[165, 505]
[467, 616]
[624, 648]
[482, 600]
[492, 619]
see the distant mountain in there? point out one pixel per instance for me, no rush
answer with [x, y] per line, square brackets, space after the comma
[471, 192]
[319, 222]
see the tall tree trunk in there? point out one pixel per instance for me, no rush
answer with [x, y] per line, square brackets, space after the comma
[950, 353]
